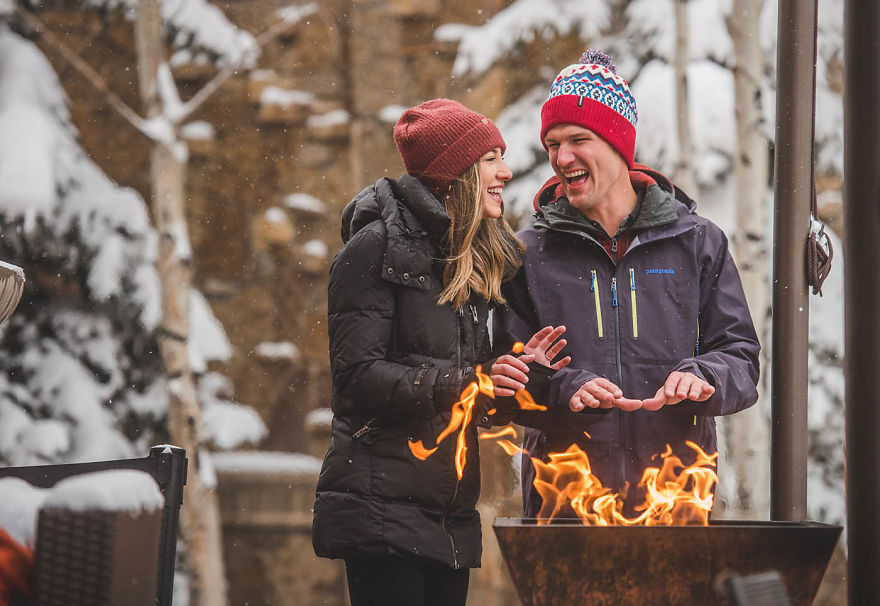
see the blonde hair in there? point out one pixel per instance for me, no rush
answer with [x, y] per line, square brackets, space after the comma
[482, 252]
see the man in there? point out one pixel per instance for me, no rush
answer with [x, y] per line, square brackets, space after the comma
[658, 329]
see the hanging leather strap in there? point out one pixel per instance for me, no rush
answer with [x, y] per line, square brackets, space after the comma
[819, 249]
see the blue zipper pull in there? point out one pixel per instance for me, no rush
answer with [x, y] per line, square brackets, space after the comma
[593, 281]
[613, 292]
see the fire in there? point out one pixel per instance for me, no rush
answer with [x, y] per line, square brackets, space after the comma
[526, 402]
[420, 452]
[674, 494]
[507, 431]
[462, 413]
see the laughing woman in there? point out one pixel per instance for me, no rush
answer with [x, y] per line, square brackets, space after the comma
[409, 295]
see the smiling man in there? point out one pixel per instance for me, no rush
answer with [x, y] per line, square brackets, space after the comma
[657, 326]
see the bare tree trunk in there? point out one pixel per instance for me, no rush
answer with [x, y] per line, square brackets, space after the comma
[749, 431]
[200, 520]
[683, 176]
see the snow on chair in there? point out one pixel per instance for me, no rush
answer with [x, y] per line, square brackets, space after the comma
[106, 532]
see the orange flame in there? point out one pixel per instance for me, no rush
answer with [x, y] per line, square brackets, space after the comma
[518, 347]
[526, 402]
[507, 431]
[674, 494]
[419, 451]
[509, 447]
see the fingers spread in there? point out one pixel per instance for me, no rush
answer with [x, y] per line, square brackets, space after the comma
[562, 363]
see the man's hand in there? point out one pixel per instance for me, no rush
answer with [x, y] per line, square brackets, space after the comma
[679, 386]
[509, 373]
[601, 393]
[544, 347]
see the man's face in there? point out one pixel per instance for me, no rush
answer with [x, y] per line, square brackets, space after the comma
[586, 164]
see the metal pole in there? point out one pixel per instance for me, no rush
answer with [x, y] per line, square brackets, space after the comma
[795, 76]
[862, 299]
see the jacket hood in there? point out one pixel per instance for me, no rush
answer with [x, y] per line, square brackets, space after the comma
[388, 200]
[660, 203]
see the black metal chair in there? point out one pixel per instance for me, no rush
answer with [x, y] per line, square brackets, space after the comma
[166, 464]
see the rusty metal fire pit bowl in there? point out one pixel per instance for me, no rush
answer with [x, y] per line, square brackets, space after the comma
[565, 562]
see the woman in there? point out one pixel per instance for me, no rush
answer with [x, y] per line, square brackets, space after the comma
[409, 296]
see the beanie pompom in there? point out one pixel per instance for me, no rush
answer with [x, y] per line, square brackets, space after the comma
[595, 57]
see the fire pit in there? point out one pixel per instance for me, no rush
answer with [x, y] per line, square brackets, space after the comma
[565, 562]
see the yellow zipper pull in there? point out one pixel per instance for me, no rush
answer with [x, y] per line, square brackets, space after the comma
[632, 290]
[594, 283]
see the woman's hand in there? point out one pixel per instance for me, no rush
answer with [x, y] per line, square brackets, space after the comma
[544, 347]
[510, 373]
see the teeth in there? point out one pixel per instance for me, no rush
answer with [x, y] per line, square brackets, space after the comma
[575, 174]
[495, 190]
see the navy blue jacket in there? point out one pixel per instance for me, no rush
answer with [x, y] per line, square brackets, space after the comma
[673, 302]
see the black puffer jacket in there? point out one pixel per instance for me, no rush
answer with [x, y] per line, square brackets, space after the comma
[399, 361]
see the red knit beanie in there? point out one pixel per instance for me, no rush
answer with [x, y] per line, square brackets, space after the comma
[591, 94]
[439, 139]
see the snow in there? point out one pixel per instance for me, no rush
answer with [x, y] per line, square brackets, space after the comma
[200, 31]
[207, 339]
[280, 350]
[179, 234]
[13, 268]
[198, 130]
[112, 490]
[332, 118]
[521, 22]
[19, 507]
[228, 424]
[390, 114]
[316, 248]
[319, 418]
[274, 214]
[452, 32]
[26, 166]
[159, 129]
[304, 202]
[172, 106]
[274, 95]
[266, 462]
[294, 14]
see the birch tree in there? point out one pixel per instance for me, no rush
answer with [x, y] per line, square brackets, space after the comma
[748, 431]
[684, 166]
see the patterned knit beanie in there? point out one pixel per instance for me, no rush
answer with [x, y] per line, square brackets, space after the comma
[591, 94]
[439, 139]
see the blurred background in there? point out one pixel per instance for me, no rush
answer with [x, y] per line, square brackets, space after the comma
[172, 175]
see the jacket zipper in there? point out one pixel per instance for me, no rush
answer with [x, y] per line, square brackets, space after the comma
[594, 288]
[367, 428]
[619, 376]
[460, 365]
[632, 290]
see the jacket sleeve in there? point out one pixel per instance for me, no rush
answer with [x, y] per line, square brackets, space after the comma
[728, 346]
[517, 321]
[361, 308]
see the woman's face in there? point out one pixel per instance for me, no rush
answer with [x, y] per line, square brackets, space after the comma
[493, 174]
